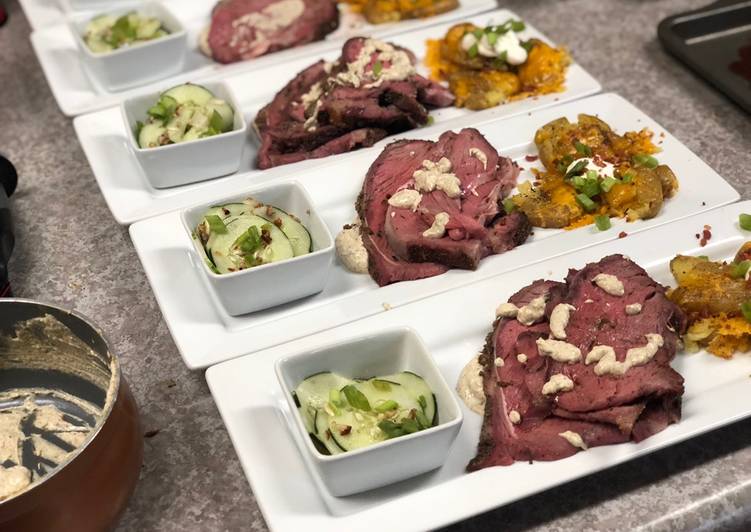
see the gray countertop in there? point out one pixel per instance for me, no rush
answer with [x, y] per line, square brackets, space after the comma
[70, 251]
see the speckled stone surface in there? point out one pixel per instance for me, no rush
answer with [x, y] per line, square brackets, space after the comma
[70, 251]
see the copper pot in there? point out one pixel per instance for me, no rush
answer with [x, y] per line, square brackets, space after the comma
[89, 490]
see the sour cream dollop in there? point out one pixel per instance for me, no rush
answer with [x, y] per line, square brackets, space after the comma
[505, 42]
[608, 170]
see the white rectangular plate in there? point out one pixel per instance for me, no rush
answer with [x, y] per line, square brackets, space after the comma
[130, 196]
[454, 325]
[205, 334]
[77, 93]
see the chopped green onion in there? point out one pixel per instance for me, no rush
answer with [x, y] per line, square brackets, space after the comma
[473, 50]
[422, 420]
[503, 57]
[517, 25]
[410, 425]
[746, 310]
[592, 174]
[577, 169]
[335, 397]
[587, 185]
[602, 222]
[356, 398]
[645, 160]
[390, 429]
[249, 241]
[583, 148]
[627, 177]
[509, 206]
[586, 202]
[216, 225]
[382, 385]
[386, 406]
[740, 269]
[216, 122]
[608, 183]
[377, 68]
[492, 38]
[744, 220]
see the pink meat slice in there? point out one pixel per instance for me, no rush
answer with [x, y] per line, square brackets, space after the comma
[232, 39]
[603, 409]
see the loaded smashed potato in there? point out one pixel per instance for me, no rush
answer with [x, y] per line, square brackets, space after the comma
[383, 11]
[485, 67]
[592, 173]
[716, 297]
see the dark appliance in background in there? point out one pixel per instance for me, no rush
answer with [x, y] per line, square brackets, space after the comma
[8, 182]
[715, 42]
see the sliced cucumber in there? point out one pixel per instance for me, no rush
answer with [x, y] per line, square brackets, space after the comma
[314, 392]
[191, 134]
[224, 111]
[190, 92]
[221, 244]
[232, 210]
[353, 430]
[418, 387]
[298, 235]
[100, 24]
[399, 404]
[324, 434]
[150, 134]
[147, 28]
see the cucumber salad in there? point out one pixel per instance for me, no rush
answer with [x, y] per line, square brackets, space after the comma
[107, 33]
[238, 236]
[183, 113]
[342, 414]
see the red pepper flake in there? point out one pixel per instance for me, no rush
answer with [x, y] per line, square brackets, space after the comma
[698, 236]
[622, 234]
[530, 158]
[597, 160]
[706, 235]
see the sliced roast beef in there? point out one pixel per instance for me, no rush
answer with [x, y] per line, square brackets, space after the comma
[604, 406]
[243, 29]
[373, 87]
[395, 236]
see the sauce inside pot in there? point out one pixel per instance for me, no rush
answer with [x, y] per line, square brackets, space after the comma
[54, 389]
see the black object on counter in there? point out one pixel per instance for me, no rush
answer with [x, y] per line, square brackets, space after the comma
[715, 42]
[9, 181]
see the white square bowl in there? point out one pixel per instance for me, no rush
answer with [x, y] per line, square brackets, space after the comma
[280, 282]
[187, 162]
[382, 353]
[139, 63]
